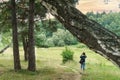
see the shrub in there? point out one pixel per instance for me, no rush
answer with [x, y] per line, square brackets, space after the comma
[69, 39]
[49, 42]
[60, 43]
[80, 45]
[67, 55]
[40, 40]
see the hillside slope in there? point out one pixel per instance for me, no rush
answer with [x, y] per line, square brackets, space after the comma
[98, 6]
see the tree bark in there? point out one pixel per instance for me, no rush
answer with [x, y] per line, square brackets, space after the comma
[17, 65]
[5, 48]
[31, 50]
[89, 32]
[25, 47]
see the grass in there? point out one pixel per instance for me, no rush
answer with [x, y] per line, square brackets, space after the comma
[50, 67]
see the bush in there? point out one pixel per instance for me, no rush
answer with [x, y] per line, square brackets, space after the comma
[60, 43]
[80, 45]
[40, 40]
[49, 42]
[67, 55]
[69, 39]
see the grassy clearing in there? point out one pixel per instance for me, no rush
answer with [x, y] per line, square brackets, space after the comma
[50, 67]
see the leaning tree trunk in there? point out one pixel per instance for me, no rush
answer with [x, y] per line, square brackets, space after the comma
[31, 50]
[5, 48]
[17, 65]
[89, 32]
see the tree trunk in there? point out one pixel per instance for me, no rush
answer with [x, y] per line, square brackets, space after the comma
[31, 50]
[5, 48]
[89, 32]
[17, 65]
[25, 47]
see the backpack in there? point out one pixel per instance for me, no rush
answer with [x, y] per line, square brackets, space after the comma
[81, 61]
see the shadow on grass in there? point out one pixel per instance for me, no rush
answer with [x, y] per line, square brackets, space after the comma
[41, 71]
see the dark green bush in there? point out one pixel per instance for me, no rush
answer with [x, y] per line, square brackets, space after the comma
[67, 55]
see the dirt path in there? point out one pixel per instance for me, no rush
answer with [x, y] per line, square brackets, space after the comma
[67, 75]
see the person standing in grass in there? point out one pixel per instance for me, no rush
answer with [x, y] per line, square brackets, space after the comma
[82, 60]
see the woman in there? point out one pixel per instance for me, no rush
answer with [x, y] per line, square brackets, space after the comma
[82, 60]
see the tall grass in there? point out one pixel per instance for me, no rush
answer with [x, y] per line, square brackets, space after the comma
[50, 67]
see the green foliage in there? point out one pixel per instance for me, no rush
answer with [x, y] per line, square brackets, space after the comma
[69, 39]
[5, 17]
[59, 37]
[61, 43]
[108, 20]
[49, 25]
[53, 36]
[40, 10]
[43, 30]
[49, 42]
[80, 45]
[22, 16]
[40, 40]
[63, 37]
[67, 55]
